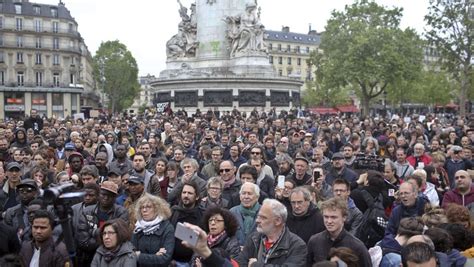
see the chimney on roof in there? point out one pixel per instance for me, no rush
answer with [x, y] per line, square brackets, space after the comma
[285, 29]
[312, 32]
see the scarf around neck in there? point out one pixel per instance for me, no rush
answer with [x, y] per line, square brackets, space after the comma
[148, 227]
[249, 217]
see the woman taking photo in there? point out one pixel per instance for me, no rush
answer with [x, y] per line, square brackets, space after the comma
[220, 226]
[153, 236]
[116, 249]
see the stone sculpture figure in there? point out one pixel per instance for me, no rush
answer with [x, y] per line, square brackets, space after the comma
[184, 43]
[246, 33]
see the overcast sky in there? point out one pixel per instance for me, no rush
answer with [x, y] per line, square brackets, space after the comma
[144, 26]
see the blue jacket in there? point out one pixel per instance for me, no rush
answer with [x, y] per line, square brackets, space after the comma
[391, 250]
[240, 231]
[400, 212]
[148, 245]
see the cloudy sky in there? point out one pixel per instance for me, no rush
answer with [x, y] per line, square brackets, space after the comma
[144, 26]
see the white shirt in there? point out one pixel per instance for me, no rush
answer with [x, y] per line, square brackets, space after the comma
[35, 259]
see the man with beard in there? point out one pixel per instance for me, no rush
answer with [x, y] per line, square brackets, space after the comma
[101, 164]
[14, 216]
[212, 168]
[34, 122]
[419, 156]
[190, 151]
[94, 217]
[4, 153]
[8, 193]
[121, 162]
[335, 214]
[235, 157]
[339, 169]
[59, 151]
[273, 243]
[305, 219]
[348, 152]
[186, 211]
[285, 165]
[301, 176]
[152, 185]
[403, 167]
[145, 149]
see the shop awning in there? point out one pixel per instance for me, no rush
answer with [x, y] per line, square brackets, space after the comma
[348, 109]
[323, 110]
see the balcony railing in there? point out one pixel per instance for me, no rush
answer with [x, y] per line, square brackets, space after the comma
[33, 46]
[42, 29]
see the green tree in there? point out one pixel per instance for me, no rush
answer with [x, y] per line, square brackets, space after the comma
[116, 73]
[322, 91]
[451, 32]
[367, 51]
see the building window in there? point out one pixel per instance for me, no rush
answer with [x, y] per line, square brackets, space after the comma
[280, 72]
[1, 57]
[2, 77]
[270, 46]
[280, 60]
[18, 8]
[19, 57]
[72, 78]
[55, 26]
[71, 28]
[289, 60]
[55, 59]
[297, 49]
[37, 10]
[19, 41]
[1, 22]
[56, 79]
[279, 47]
[271, 59]
[54, 12]
[20, 78]
[307, 49]
[38, 25]
[55, 43]
[19, 24]
[288, 48]
[1, 40]
[38, 42]
[73, 61]
[298, 61]
[38, 60]
[39, 78]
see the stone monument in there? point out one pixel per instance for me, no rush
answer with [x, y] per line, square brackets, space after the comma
[219, 58]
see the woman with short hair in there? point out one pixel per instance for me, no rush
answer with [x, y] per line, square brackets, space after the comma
[116, 249]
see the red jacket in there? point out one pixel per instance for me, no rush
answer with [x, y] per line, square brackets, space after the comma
[453, 196]
[424, 158]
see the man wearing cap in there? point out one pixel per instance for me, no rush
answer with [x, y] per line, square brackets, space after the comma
[339, 169]
[115, 176]
[8, 194]
[15, 216]
[93, 219]
[301, 176]
[455, 163]
[136, 189]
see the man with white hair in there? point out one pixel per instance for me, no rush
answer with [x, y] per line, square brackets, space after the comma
[246, 212]
[273, 244]
[419, 156]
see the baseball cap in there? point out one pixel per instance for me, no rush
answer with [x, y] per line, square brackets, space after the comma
[114, 171]
[12, 165]
[337, 155]
[28, 183]
[135, 180]
[109, 186]
[69, 146]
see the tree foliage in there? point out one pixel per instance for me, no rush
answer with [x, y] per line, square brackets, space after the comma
[451, 32]
[367, 51]
[116, 73]
[322, 91]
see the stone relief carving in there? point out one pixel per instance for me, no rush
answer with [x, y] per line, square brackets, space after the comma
[221, 98]
[184, 43]
[185, 99]
[187, 71]
[245, 33]
[279, 98]
[251, 98]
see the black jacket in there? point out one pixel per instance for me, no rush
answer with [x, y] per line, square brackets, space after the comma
[320, 244]
[290, 251]
[10, 243]
[307, 225]
[192, 216]
[149, 245]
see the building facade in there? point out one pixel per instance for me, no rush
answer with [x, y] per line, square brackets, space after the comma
[44, 62]
[145, 98]
[289, 52]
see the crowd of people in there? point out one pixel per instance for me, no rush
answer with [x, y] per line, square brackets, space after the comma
[257, 189]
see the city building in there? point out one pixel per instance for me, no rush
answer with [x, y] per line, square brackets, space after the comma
[289, 51]
[44, 62]
[145, 98]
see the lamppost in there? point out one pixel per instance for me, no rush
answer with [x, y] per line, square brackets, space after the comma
[385, 103]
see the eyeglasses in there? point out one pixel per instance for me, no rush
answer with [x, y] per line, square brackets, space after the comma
[295, 203]
[224, 170]
[109, 233]
[215, 220]
[255, 153]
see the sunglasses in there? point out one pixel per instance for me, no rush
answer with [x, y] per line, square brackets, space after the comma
[26, 190]
[255, 153]
[224, 170]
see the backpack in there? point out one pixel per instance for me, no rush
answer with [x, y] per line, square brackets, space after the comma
[374, 221]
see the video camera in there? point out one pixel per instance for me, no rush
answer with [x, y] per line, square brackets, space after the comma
[369, 162]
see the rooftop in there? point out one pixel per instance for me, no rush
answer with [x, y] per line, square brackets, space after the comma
[27, 8]
[285, 35]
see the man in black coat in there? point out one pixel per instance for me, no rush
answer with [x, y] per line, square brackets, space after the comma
[304, 219]
[34, 122]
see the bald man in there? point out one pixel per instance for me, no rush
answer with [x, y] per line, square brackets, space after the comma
[463, 192]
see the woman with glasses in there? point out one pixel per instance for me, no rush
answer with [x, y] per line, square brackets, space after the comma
[116, 249]
[214, 187]
[220, 226]
[153, 236]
